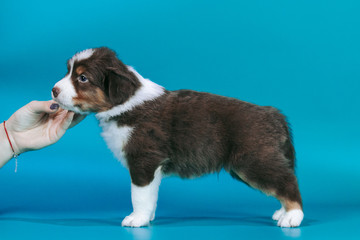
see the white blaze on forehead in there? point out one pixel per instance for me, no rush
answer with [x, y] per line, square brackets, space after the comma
[81, 56]
[85, 54]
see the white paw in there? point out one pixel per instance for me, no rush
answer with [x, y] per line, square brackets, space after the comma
[277, 214]
[152, 216]
[291, 218]
[136, 220]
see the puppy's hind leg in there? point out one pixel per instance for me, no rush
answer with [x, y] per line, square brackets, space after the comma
[278, 181]
[144, 200]
[291, 213]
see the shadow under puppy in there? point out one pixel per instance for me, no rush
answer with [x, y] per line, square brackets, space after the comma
[155, 132]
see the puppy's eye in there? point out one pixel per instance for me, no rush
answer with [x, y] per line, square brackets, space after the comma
[82, 78]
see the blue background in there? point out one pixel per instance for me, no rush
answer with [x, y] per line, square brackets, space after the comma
[302, 57]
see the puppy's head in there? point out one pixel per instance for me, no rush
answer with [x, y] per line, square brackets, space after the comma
[96, 81]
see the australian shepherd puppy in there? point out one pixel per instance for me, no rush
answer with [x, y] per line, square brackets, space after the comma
[155, 132]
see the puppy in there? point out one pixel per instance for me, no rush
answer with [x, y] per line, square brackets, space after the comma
[155, 132]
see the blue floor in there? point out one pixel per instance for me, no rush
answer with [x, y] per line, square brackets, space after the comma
[66, 200]
[326, 222]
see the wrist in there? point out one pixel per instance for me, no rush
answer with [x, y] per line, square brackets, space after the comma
[6, 152]
[14, 138]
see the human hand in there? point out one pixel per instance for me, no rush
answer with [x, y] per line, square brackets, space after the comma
[39, 124]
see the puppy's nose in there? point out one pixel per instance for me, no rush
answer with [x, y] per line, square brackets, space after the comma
[55, 91]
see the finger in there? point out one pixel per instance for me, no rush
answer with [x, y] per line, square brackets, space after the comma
[61, 124]
[77, 118]
[43, 106]
[32, 115]
[65, 124]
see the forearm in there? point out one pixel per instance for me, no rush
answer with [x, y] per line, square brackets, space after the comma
[6, 152]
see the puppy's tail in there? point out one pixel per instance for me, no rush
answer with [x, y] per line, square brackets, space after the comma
[288, 146]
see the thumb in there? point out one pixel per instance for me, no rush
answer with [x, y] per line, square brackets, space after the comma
[43, 106]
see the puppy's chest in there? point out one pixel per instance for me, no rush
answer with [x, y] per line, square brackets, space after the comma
[116, 137]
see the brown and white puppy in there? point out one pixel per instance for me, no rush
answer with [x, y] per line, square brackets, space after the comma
[155, 132]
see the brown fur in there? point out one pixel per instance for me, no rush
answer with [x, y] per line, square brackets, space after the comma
[191, 133]
[80, 70]
[94, 100]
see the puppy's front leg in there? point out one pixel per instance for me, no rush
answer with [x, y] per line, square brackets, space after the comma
[144, 199]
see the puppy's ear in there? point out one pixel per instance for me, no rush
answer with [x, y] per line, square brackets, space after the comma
[120, 85]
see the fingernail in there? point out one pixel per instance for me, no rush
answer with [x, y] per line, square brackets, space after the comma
[54, 106]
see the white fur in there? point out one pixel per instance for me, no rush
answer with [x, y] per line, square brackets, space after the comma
[144, 201]
[277, 214]
[116, 138]
[292, 218]
[81, 55]
[67, 90]
[148, 91]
